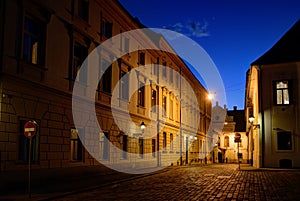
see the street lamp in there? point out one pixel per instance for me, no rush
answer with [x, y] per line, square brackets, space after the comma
[143, 126]
[251, 120]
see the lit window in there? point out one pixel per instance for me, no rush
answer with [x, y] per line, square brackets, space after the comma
[282, 93]
[34, 41]
[76, 146]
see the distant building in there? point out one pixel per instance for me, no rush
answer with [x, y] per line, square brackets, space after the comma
[228, 149]
[42, 47]
[272, 103]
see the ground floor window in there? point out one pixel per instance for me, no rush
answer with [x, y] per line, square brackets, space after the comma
[284, 140]
[76, 145]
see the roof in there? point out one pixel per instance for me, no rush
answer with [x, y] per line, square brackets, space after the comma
[287, 49]
[239, 119]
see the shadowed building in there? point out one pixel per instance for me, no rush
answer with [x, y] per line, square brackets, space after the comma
[42, 46]
[272, 103]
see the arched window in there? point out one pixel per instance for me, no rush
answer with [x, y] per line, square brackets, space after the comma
[226, 141]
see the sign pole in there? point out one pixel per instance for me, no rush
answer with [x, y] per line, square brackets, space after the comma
[29, 169]
[29, 132]
[238, 155]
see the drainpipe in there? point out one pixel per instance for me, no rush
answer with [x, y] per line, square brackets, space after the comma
[260, 101]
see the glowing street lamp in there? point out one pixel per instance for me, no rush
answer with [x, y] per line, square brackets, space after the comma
[143, 127]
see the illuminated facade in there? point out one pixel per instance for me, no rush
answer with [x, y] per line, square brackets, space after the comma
[42, 48]
[272, 102]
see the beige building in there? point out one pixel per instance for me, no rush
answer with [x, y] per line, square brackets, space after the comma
[230, 123]
[272, 102]
[42, 46]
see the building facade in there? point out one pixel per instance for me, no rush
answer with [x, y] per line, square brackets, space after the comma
[230, 124]
[272, 102]
[43, 45]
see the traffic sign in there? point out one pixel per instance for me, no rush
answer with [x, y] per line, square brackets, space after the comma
[237, 137]
[29, 129]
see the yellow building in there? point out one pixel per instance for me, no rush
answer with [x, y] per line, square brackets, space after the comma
[272, 102]
[42, 46]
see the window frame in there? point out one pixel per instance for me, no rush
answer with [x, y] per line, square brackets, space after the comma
[280, 141]
[40, 36]
[75, 141]
[141, 94]
[288, 89]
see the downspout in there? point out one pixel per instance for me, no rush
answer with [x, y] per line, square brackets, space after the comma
[260, 100]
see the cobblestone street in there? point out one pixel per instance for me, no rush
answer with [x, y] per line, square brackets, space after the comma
[212, 182]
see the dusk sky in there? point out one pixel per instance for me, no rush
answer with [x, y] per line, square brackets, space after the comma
[233, 32]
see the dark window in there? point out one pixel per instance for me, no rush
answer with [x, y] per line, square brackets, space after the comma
[171, 75]
[171, 142]
[153, 147]
[164, 69]
[171, 109]
[80, 53]
[164, 139]
[282, 92]
[126, 48]
[104, 145]
[141, 147]
[105, 81]
[83, 9]
[177, 80]
[124, 146]
[153, 100]
[155, 69]
[141, 95]
[142, 58]
[226, 141]
[34, 41]
[164, 106]
[76, 145]
[23, 154]
[284, 140]
[106, 29]
[124, 88]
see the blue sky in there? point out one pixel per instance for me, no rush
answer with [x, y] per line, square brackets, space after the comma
[233, 32]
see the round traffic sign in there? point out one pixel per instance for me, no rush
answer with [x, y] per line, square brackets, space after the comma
[29, 129]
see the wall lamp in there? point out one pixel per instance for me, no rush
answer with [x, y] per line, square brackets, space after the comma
[251, 120]
[143, 126]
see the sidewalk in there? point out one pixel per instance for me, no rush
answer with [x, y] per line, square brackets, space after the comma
[51, 183]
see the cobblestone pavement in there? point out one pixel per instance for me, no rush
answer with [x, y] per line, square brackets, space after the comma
[212, 182]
